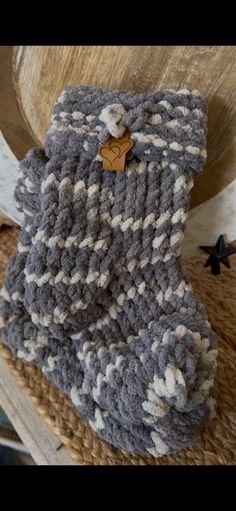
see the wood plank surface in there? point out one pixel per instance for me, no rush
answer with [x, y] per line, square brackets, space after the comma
[36, 435]
[12, 124]
[41, 72]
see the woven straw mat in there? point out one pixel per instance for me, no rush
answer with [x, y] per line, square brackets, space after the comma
[217, 445]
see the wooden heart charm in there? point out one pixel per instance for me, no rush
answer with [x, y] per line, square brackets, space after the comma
[110, 154]
[123, 146]
[114, 151]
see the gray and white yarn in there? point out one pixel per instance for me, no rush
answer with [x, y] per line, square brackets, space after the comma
[95, 294]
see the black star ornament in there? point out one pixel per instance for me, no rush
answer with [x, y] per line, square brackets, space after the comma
[218, 254]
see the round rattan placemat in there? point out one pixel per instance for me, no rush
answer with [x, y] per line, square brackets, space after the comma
[217, 445]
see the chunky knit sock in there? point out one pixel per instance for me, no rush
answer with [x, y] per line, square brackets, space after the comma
[96, 295]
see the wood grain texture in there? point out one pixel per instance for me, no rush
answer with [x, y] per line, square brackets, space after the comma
[41, 72]
[12, 124]
[36, 435]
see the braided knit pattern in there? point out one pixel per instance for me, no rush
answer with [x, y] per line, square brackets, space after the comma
[95, 294]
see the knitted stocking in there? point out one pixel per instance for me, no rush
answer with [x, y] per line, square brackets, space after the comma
[96, 295]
